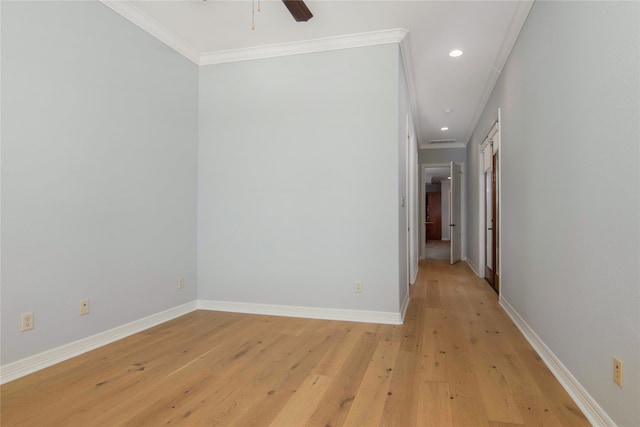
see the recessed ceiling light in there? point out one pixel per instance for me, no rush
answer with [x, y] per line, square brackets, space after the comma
[448, 110]
[455, 53]
[444, 128]
[448, 177]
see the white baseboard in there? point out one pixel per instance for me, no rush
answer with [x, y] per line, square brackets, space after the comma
[28, 365]
[384, 317]
[594, 413]
[473, 267]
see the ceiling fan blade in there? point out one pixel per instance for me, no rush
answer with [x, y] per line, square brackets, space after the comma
[298, 9]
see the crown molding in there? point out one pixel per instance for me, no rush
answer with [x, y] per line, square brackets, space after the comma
[306, 46]
[517, 22]
[127, 10]
[130, 12]
[407, 61]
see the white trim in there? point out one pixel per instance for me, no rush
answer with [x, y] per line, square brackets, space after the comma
[407, 61]
[517, 22]
[594, 413]
[482, 200]
[128, 11]
[405, 305]
[499, 202]
[305, 46]
[28, 365]
[482, 213]
[383, 317]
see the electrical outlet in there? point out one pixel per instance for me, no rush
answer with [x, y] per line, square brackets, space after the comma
[358, 287]
[617, 371]
[181, 282]
[26, 321]
[84, 307]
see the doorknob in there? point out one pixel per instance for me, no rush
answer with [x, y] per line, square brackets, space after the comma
[489, 228]
[452, 225]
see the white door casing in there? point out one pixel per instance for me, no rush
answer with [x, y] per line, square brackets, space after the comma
[455, 216]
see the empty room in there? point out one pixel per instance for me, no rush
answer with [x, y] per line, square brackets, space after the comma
[320, 213]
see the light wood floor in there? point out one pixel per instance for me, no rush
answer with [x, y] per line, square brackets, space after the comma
[457, 361]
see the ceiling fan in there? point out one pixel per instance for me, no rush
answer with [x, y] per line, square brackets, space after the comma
[298, 10]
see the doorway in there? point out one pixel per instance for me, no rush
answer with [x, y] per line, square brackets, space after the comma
[491, 224]
[435, 210]
[490, 207]
[437, 245]
[434, 215]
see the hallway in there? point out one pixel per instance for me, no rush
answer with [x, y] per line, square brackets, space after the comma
[475, 355]
[457, 361]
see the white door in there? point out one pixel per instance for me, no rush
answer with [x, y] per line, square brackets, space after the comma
[455, 214]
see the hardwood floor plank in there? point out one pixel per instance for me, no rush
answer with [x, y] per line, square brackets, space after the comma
[334, 407]
[433, 364]
[303, 403]
[402, 400]
[467, 408]
[434, 405]
[433, 294]
[333, 360]
[372, 393]
[284, 379]
[535, 411]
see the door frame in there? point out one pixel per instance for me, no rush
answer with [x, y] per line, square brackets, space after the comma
[452, 211]
[411, 189]
[491, 273]
[463, 202]
[482, 245]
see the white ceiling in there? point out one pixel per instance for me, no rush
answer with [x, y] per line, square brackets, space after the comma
[484, 30]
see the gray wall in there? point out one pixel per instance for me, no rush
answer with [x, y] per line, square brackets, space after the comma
[298, 180]
[569, 96]
[99, 146]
